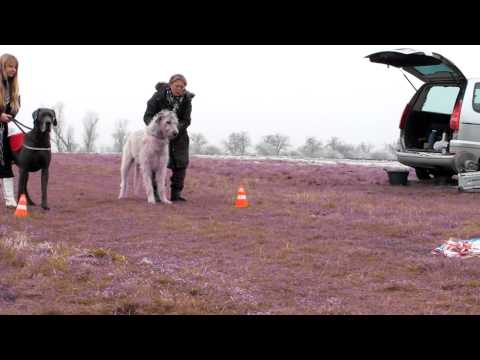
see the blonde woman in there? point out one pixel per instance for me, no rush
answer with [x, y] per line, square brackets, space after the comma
[9, 107]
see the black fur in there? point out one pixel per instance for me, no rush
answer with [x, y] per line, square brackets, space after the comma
[33, 160]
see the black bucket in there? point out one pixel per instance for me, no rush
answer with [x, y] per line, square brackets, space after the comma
[397, 177]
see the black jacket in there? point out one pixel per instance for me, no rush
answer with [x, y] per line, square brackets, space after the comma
[178, 146]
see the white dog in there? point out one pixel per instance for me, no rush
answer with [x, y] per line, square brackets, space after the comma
[148, 149]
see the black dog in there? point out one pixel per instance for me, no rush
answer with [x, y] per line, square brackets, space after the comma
[35, 153]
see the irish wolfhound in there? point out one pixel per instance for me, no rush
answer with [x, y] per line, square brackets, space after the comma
[148, 150]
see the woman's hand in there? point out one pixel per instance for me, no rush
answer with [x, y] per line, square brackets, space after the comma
[5, 118]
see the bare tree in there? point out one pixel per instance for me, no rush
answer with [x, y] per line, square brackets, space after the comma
[365, 148]
[345, 150]
[212, 150]
[90, 135]
[70, 145]
[387, 153]
[237, 143]
[363, 151]
[312, 147]
[120, 135]
[58, 131]
[198, 143]
[273, 145]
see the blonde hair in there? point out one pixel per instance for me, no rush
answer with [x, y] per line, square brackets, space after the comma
[15, 93]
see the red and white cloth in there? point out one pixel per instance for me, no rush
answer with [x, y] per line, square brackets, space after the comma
[459, 248]
[15, 137]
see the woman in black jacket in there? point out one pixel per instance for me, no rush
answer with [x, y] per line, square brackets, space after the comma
[9, 107]
[173, 96]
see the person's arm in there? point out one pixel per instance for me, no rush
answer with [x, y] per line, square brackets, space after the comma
[152, 109]
[186, 119]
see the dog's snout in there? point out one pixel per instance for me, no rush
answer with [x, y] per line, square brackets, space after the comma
[175, 133]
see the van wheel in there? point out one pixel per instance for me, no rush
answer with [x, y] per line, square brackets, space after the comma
[422, 174]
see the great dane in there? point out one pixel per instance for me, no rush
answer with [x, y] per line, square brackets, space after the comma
[35, 153]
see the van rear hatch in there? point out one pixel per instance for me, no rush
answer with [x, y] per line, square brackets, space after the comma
[426, 66]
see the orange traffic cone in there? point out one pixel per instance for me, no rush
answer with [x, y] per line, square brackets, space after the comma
[241, 198]
[22, 207]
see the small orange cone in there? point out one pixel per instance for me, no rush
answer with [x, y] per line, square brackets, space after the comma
[241, 198]
[22, 207]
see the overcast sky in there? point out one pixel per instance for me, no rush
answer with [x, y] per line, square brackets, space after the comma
[299, 91]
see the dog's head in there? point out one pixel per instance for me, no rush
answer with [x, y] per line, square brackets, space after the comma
[43, 119]
[164, 125]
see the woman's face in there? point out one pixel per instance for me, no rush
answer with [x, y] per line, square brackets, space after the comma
[177, 87]
[11, 69]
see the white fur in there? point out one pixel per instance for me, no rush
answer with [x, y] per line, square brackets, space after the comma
[148, 150]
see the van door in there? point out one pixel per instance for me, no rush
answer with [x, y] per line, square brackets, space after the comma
[426, 66]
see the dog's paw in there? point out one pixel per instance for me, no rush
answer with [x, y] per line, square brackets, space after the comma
[46, 208]
[168, 202]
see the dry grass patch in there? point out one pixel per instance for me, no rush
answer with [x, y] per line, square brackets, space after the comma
[389, 230]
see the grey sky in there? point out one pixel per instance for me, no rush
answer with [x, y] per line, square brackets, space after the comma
[299, 91]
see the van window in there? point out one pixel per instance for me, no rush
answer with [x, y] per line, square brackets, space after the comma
[433, 69]
[476, 97]
[441, 99]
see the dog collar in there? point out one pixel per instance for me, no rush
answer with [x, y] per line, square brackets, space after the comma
[34, 148]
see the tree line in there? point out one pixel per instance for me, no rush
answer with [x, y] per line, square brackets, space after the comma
[63, 135]
[240, 143]
[237, 143]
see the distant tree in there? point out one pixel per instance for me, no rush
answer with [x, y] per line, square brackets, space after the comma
[70, 144]
[337, 146]
[294, 154]
[120, 135]
[365, 148]
[212, 150]
[198, 143]
[363, 151]
[387, 153]
[104, 149]
[90, 135]
[312, 148]
[237, 143]
[393, 147]
[58, 137]
[273, 145]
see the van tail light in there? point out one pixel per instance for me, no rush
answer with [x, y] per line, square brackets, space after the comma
[455, 117]
[405, 114]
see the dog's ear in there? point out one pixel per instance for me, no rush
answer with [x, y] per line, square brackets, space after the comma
[54, 118]
[35, 115]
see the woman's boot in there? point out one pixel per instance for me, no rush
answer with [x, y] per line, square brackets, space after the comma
[9, 193]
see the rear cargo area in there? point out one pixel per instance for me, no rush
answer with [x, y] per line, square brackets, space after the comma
[429, 119]
[423, 126]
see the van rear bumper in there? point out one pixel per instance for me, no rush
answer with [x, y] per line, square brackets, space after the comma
[427, 160]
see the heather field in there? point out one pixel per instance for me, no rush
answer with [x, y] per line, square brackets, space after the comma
[316, 239]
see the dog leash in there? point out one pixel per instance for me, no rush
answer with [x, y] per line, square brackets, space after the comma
[18, 124]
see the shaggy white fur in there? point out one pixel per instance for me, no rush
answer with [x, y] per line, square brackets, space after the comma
[148, 150]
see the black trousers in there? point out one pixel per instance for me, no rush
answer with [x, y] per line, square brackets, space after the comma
[177, 181]
[5, 168]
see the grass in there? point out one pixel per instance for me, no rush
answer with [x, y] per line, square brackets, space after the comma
[315, 240]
